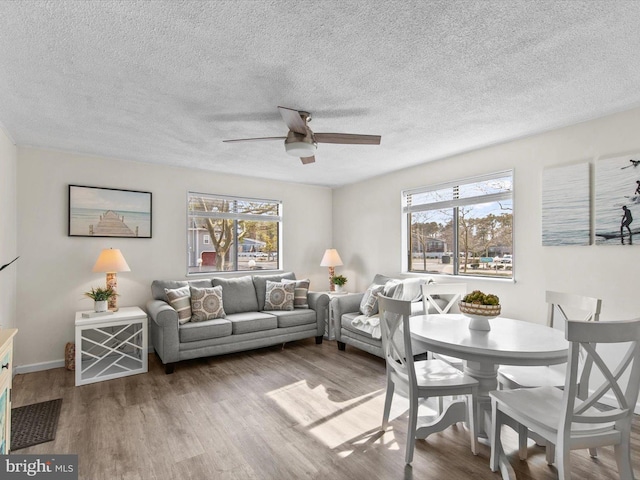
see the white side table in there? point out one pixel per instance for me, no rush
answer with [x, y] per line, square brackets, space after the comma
[111, 346]
[330, 325]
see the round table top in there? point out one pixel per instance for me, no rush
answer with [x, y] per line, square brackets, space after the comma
[509, 342]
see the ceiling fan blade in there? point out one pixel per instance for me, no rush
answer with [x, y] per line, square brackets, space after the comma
[293, 120]
[306, 160]
[260, 139]
[348, 138]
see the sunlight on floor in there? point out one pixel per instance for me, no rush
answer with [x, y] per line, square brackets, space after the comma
[340, 424]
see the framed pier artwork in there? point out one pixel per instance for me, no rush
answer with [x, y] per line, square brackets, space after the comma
[109, 212]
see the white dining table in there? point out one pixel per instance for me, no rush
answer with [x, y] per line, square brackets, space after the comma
[509, 342]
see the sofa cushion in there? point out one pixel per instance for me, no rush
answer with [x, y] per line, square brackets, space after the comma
[158, 286]
[238, 294]
[206, 304]
[248, 322]
[260, 282]
[347, 324]
[180, 300]
[216, 328]
[294, 318]
[300, 293]
[279, 296]
[369, 303]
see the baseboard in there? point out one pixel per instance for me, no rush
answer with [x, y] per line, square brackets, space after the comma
[39, 367]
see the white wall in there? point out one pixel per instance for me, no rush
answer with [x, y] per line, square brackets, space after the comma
[8, 230]
[55, 269]
[367, 221]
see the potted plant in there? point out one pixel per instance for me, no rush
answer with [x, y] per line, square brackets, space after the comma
[100, 297]
[339, 282]
[480, 307]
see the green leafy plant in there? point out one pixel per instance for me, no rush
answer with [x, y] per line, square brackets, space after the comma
[339, 280]
[101, 294]
[478, 298]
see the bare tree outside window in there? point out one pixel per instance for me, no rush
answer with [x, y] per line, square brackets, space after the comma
[244, 233]
[463, 228]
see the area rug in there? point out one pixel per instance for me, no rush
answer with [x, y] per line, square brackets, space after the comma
[34, 424]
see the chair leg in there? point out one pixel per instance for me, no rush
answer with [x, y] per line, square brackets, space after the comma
[563, 463]
[411, 430]
[550, 453]
[623, 459]
[523, 436]
[593, 452]
[387, 404]
[473, 424]
[496, 443]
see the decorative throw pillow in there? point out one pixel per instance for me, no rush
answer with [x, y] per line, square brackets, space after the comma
[180, 300]
[206, 304]
[279, 296]
[301, 289]
[369, 303]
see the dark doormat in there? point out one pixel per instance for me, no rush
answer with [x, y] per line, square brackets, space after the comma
[34, 424]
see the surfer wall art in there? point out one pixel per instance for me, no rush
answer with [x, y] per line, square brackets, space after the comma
[565, 205]
[617, 198]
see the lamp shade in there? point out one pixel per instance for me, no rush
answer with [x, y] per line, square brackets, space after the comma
[111, 260]
[331, 258]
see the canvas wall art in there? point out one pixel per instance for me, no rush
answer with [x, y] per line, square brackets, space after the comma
[109, 212]
[565, 205]
[617, 197]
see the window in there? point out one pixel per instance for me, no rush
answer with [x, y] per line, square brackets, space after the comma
[461, 228]
[230, 234]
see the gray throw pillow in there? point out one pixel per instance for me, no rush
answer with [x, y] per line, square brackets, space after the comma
[301, 290]
[279, 296]
[206, 304]
[369, 303]
[180, 300]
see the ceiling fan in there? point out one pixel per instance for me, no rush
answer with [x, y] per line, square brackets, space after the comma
[302, 142]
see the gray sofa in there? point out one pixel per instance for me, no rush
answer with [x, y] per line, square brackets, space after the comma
[345, 310]
[246, 325]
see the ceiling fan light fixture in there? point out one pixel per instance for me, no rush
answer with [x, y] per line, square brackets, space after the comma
[300, 149]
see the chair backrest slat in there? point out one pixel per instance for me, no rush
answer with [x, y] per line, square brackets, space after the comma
[586, 336]
[396, 337]
[570, 304]
[454, 292]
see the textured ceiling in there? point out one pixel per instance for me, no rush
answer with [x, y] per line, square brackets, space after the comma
[166, 82]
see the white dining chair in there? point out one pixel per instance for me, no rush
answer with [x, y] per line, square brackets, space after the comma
[569, 422]
[418, 379]
[562, 307]
[440, 298]
[570, 307]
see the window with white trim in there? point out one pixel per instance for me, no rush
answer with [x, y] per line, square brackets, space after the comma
[461, 228]
[231, 234]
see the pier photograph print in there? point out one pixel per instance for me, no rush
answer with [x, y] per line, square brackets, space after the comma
[617, 188]
[109, 212]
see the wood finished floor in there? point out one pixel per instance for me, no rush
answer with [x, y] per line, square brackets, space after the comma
[305, 411]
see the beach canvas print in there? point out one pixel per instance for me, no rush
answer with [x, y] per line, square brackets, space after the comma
[109, 212]
[565, 205]
[618, 200]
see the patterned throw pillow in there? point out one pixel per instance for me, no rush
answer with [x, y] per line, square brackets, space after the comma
[301, 289]
[369, 303]
[279, 296]
[180, 300]
[206, 304]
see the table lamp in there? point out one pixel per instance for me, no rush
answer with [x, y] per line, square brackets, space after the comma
[110, 262]
[331, 259]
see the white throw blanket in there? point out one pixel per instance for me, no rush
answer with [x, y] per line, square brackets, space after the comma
[371, 325]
